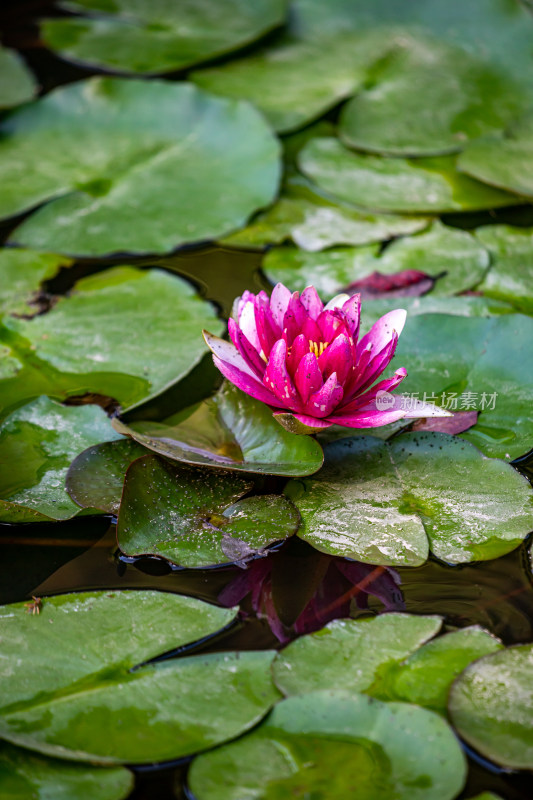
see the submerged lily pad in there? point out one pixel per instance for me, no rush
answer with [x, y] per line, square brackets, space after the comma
[503, 160]
[37, 444]
[87, 645]
[491, 358]
[25, 775]
[229, 431]
[510, 277]
[391, 502]
[467, 97]
[123, 333]
[314, 222]
[96, 477]
[323, 744]
[197, 518]
[17, 84]
[490, 705]
[110, 191]
[451, 256]
[424, 185]
[158, 36]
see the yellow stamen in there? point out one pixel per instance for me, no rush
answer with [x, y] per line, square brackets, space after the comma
[317, 348]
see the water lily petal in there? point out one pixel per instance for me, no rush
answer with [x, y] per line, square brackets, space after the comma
[247, 351]
[300, 423]
[352, 313]
[245, 382]
[327, 398]
[308, 377]
[331, 324]
[267, 330]
[228, 353]
[337, 358]
[277, 378]
[246, 319]
[375, 367]
[336, 302]
[312, 302]
[311, 331]
[279, 302]
[298, 349]
[386, 385]
[295, 317]
[383, 330]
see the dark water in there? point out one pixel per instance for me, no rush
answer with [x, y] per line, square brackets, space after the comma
[82, 554]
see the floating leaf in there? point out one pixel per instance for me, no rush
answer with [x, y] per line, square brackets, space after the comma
[424, 185]
[25, 775]
[123, 333]
[490, 358]
[390, 502]
[229, 431]
[21, 274]
[37, 444]
[17, 84]
[158, 37]
[490, 705]
[467, 97]
[463, 306]
[111, 191]
[347, 653]
[313, 223]
[96, 477]
[452, 256]
[510, 277]
[323, 744]
[459, 422]
[197, 518]
[87, 645]
[503, 160]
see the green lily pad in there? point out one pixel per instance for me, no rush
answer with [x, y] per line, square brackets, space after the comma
[510, 277]
[87, 645]
[123, 333]
[426, 676]
[314, 222]
[490, 705]
[503, 160]
[468, 98]
[295, 82]
[348, 653]
[324, 744]
[453, 256]
[25, 775]
[229, 431]
[197, 518]
[158, 37]
[96, 477]
[37, 444]
[109, 191]
[424, 185]
[463, 306]
[17, 84]
[21, 274]
[391, 502]
[490, 358]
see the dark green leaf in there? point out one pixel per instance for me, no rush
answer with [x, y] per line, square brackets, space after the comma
[17, 84]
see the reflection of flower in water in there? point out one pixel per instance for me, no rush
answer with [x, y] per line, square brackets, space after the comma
[342, 583]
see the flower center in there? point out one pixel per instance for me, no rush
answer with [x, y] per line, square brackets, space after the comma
[317, 347]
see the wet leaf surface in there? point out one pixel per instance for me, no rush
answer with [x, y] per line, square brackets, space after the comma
[510, 277]
[490, 705]
[37, 444]
[391, 502]
[328, 743]
[198, 518]
[229, 431]
[22, 273]
[17, 83]
[158, 37]
[109, 191]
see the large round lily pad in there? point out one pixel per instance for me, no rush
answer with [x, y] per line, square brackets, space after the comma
[197, 518]
[391, 502]
[451, 256]
[424, 185]
[37, 444]
[24, 775]
[467, 97]
[336, 745]
[110, 190]
[491, 703]
[17, 84]
[86, 646]
[510, 276]
[153, 37]
[21, 274]
[124, 333]
[229, 431]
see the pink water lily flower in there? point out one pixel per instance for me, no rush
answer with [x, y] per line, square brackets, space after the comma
[307, 362]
